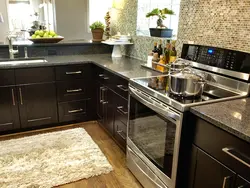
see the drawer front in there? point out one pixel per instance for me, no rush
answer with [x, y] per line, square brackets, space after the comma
[225, 147]
[121, 111]
[72, 72]
[120, 86]
[120, 133]
[73, 90]
[7, 77]
[73, 111]
[35, 75]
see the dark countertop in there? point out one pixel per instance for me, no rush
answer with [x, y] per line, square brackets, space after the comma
[61, 43]
[125, 66]
[231, 116]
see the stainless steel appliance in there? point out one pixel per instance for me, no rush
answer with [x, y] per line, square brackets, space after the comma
[156, 115]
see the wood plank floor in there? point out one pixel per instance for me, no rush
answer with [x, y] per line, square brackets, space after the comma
[119, 177]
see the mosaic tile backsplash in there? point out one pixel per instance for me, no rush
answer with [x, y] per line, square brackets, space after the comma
[224, 24]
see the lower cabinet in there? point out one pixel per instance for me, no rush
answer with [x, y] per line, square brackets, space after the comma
[9, 109]
[37, 104]
[242, 183]
[208, 172]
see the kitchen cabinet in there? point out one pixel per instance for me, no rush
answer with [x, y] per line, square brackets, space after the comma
[218, 158]
[210, 173]
[242, 183]
[37, 104]
[9, 109]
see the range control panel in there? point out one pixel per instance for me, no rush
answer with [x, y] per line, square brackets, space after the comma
[217, 57]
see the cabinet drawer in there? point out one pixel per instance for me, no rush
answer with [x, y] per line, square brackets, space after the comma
[35, 75]
[120, 133]
[121, 111]
[120, 86]
[72, 111]
[73, 72]
[7, 77]
[225, 147]
[73, 90]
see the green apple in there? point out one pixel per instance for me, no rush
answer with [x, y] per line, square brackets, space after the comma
[37, 32]
[50, 36]
[52, 33]
[38, 37]
[46, 35]
[41, 33]
[33, 36]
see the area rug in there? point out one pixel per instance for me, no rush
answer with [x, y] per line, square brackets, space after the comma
[50, 159]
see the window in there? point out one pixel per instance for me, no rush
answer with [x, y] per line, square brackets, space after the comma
[145, 6]
[98, 10]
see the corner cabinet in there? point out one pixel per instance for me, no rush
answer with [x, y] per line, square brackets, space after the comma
[218, 159]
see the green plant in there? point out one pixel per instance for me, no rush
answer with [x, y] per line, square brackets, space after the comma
[97, 25]
[161, 14]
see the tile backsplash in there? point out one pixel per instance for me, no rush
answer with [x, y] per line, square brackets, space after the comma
[224, 24]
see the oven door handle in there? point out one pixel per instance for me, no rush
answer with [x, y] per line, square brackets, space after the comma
[154, 105]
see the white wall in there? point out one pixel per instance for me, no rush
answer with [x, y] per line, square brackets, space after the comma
[72, 19]
[4, 27]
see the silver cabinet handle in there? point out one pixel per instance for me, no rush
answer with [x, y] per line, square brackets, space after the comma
[101, 95]
[75, 111]
[13, 97]
[228, 151]
[120, 109]
[121, 134]
[77, 72]
[21, 95]
[73, 90]
[103, 76]
[122, 87]
[225, 181]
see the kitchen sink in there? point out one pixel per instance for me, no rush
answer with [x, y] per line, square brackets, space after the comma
[22, 61]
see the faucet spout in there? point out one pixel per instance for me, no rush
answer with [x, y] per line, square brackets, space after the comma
[12, 52]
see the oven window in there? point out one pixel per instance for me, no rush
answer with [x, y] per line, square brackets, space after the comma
[153, 134]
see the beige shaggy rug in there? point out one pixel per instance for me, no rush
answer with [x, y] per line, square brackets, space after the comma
[50, 159]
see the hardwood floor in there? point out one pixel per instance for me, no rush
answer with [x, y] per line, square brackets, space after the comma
[119, 177]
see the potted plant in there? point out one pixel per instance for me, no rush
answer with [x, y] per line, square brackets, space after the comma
[161, 30]
[97, 29]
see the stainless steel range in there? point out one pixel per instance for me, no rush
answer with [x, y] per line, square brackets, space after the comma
[156, 115]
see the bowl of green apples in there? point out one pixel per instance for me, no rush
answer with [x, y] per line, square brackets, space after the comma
[43, 36]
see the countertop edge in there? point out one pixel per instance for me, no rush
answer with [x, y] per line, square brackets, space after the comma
[220, 125]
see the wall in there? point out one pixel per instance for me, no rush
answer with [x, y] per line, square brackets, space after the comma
[71, 19]
[4, 27]
[217, 23]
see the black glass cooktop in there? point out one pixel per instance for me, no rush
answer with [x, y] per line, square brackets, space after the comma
[160, 85]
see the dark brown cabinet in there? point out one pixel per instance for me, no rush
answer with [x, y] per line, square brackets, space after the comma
[242, 183]
[37, 104]
[209, 172]
[9, 109]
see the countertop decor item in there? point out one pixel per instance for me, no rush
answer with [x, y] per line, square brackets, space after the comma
[107, 29]
[54, 159]
[161, 30]
[97, 29]
[44, 36]
[46, 40]
[117, 46]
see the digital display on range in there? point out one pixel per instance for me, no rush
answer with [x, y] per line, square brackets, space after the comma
[210, 51]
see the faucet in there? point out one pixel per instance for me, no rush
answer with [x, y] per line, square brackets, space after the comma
[12, 52]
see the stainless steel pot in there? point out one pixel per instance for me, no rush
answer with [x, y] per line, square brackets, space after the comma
[186, 84]
[178, 65]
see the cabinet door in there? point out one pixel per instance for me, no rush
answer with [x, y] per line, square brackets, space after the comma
[8, 109]
[37, 104]
[242, 183]
[109, 110]
[210, 173]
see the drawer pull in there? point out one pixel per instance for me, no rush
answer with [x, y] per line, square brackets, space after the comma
[75, 111]
[122, 134]
[120, 109]
[225, 181]
[122, 87]
[236, 155]
[13, 97]
[21, 95]
[73, 90]
[77, 72]
[103, 76]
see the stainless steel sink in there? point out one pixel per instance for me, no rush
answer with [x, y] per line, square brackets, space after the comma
[22, 61]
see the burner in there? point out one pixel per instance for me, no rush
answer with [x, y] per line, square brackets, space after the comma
[185, 100]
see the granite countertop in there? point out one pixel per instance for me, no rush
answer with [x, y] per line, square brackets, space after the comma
[232, 116]
[125, 67]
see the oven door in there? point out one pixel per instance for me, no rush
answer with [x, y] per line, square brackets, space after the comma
[154, 135]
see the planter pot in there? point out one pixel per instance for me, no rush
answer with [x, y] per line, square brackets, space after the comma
[157, 32]
[97, 35]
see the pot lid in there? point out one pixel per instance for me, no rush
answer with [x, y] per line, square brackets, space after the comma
[186, 75]
[179, 63]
